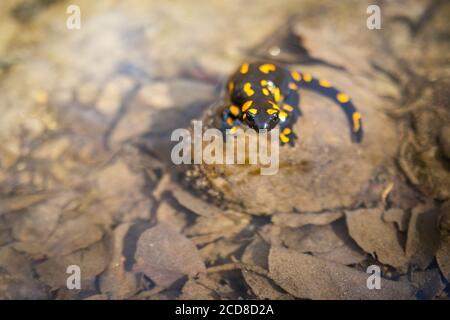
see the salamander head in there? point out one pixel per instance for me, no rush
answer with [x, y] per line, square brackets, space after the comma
[262, 114]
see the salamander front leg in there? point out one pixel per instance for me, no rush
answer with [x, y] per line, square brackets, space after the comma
[230, 118]
[289, 114]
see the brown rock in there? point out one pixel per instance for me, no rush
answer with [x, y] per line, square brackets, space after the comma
[116, 282]
[219, 250]
[444, 141]
[68, 237]
[164, 255]
[53, 149]
[398, 216]
[111, 96]
[168, 215]
[195, 289]
[347, 254]
[165, 95]
[208, 229]
[135, 122]
[118, 180]
[311, 238]
[195, 204]
[324, 171]
[39, 221]
[423, 235]
[120, 190]
[376, 237]
[256, 254]
[87, 93]
[16, 277]
[308, 277]
[19, 202]
[429, 283]
[443, 253]
[92, 261]
[295, 220]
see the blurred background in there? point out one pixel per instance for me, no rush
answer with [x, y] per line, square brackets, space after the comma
[86, 116]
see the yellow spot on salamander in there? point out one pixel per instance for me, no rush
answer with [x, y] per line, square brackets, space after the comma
[229, 121]
[274, 105]
[325, 83]
[293, 86]
[253, 111]
[230, 86]
[271, 111]
[267, 67]
[234, 111]
[288, 107]
[296, 76]
[244, 68]
[307, 77]
[264, 83]
[282, 115]
[247, 105]
[277, 94]
[287, 131]
[356, 116]
[244, 116]
[233, 130]
[265, 91]
[342, 98]
[248, 89]
[283, 138]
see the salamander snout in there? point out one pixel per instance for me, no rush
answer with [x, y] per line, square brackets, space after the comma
[262, 120]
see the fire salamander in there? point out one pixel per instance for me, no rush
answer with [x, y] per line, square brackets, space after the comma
[264, 95]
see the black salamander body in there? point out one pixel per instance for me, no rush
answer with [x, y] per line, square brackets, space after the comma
[265, 95]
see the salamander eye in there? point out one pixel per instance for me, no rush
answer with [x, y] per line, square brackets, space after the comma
[272, 112]
[274, 116]
[274, 119]
[251, 113]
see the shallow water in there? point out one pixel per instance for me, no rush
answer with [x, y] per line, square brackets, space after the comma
[87, 115]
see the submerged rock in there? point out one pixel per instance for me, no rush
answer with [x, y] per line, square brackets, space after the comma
[324, 170]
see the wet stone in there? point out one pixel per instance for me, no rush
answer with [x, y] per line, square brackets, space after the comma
[110, 98]
[165, 256]
[310, 176]
[74, 104]
[398, 216]
[377, 237]
[37, 223]
[444, 141]
[116, 282]
[302, 276]
[16, 277]
[423, 235]
[256, 254]
[68, 237]
[443, 252]
[92, 261]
